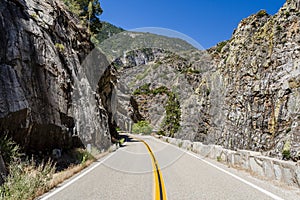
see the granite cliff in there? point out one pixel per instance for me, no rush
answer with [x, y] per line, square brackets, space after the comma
[47, 99]
[241, 94]
[254, 98]
[56, 92]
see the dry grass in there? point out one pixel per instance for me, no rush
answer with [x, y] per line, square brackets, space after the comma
[28, 180]
[60, 177]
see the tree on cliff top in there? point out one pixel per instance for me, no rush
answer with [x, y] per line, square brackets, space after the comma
[88, 11]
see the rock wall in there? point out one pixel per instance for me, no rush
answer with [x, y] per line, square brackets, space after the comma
[243, 94]
[254, 95]
[159, 68]
[42, 49]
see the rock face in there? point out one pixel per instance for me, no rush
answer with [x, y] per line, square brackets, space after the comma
[245, 96]
[254, 90]
[42, 49]
[163, 83]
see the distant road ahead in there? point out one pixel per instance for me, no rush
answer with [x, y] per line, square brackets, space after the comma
[146, 168]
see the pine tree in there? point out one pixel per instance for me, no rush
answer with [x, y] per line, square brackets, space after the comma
[89, 11]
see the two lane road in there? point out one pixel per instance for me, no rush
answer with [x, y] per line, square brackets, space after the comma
[146, 168]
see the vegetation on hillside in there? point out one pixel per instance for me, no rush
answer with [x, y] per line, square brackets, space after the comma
[107, 30]
[127, 41]
[88, 11]
[171, 122]
[220, 46]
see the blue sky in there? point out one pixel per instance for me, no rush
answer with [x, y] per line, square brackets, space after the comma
[206, 21]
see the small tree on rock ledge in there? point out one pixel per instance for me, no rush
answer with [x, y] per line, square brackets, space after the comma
[89, 11]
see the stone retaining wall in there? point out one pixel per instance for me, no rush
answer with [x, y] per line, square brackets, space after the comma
[286, 172]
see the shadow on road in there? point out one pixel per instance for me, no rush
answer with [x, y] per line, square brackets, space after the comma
[127, 139]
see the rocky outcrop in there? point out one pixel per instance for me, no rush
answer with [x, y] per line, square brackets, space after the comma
[253, 101]
[171, 80]
[241, 94]
[43, 82]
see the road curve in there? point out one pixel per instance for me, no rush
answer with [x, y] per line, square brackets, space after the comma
[130, 173]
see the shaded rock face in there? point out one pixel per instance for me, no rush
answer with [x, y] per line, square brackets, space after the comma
[254, 98]
[42, 49]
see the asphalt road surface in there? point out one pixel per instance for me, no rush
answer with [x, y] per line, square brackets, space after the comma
[146, 168]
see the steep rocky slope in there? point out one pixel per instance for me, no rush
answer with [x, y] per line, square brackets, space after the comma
[142, 59]
[162, 86]
[46, 99]
[254, 98]
[242, 94]
[55, 92]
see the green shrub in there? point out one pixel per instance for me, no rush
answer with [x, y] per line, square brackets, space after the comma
[10, 151]
[82, 156]
[286, 151]
[221, 45]
[142, 127]
[287, 14]
[180, 144]
[193, 71]
[34, 15]
[121, 141]
[161, 132]
[278, 28]
[160, 90]
[207, 92]
[60, 47]
[73, 6]
[262, 13]
[144, 89]
[159, 62]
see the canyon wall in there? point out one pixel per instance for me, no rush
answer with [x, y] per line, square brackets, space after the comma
[254, 95]
[47, 99]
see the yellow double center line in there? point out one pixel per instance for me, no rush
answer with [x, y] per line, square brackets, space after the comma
[160, 190]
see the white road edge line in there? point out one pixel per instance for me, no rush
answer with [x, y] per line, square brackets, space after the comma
[55, 191]
[228, 173]
[239, 178]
